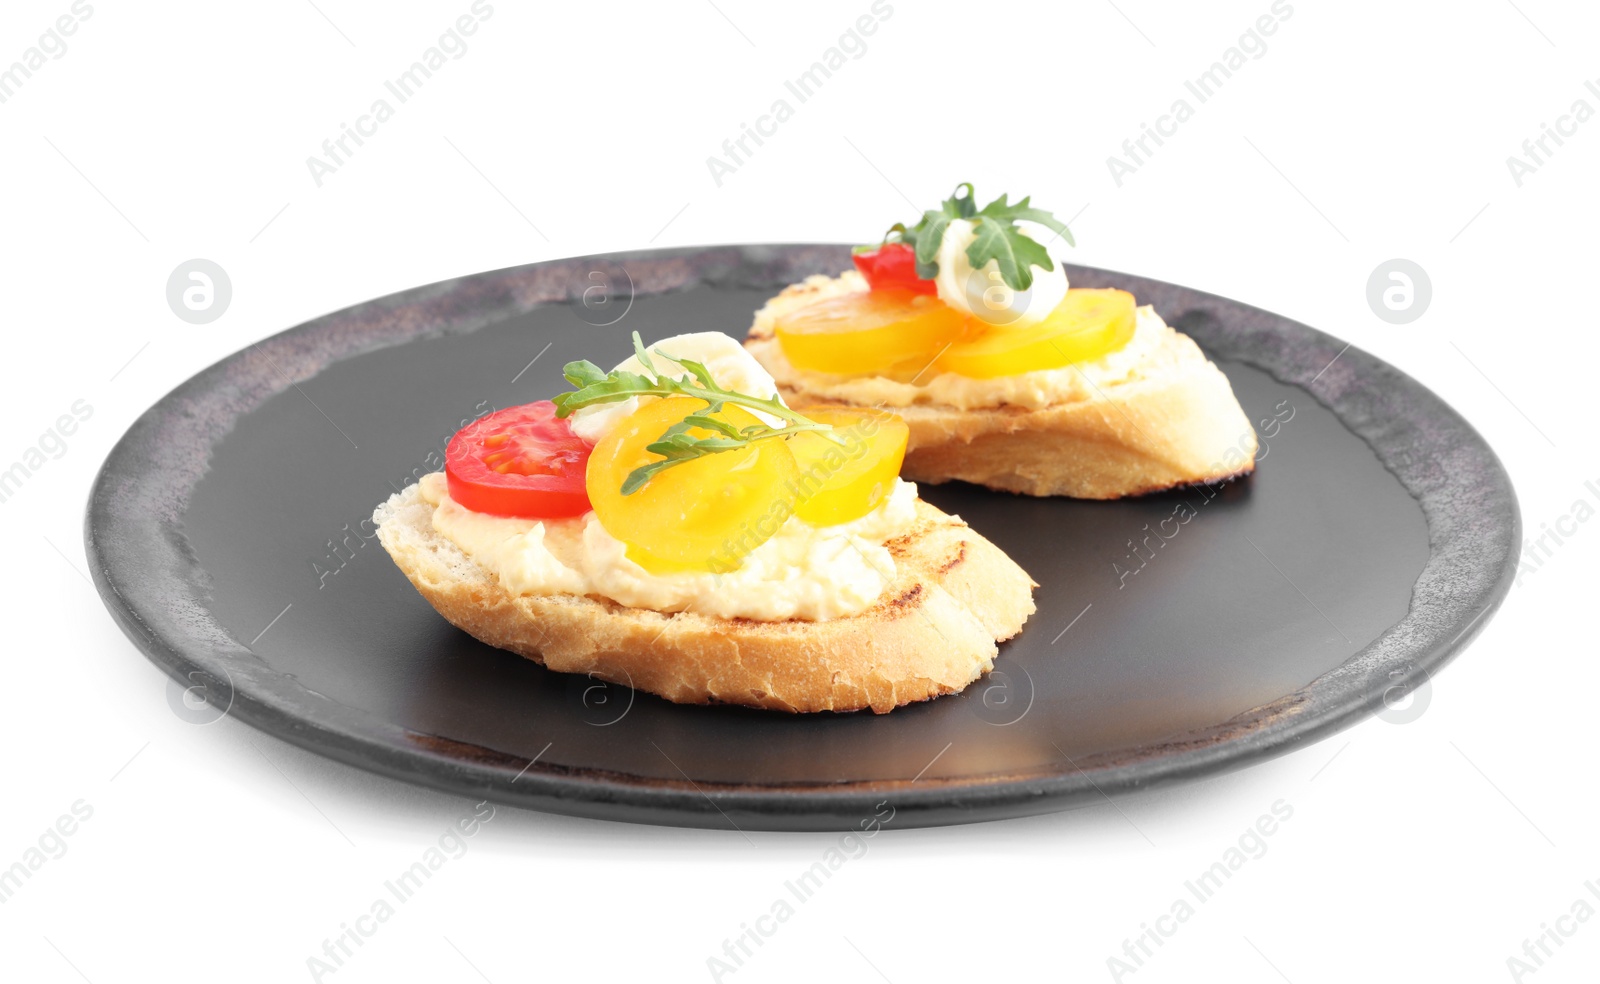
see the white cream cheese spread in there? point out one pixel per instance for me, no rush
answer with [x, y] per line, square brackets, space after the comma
[982, 293]
[803, 571]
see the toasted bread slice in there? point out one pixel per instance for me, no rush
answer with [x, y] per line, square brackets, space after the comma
[1168, 418]
[934, 630]
[1143, 436]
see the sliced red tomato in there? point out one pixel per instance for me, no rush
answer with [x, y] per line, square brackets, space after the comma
[893, 266]
[520, 461]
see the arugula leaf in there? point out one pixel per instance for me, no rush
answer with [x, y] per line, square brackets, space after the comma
[1014, 252]
[1024, 213]
[929, 233]
[678, 444]
[597, 386]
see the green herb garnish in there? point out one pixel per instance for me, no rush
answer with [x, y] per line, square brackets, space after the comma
[676, 445]
[999, 238]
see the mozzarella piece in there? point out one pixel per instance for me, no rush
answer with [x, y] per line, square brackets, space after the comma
[729, 364]
[982, 292]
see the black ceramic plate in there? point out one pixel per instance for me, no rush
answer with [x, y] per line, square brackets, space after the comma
[1177, 635]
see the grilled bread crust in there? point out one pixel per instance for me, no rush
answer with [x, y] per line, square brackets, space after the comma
[933, 631]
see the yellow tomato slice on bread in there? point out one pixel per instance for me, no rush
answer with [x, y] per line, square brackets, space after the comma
[705, 514]
[840, 482]
[872, 332]
[1087, 324]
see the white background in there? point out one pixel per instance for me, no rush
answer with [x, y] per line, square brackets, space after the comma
[1367, 131]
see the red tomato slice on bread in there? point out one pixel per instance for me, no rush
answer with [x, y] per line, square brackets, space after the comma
[521, 461]
[893, 266]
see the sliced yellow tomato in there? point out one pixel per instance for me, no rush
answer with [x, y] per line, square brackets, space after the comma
[705, 514]
[841, 482]
[877, 332]
[1086, 325]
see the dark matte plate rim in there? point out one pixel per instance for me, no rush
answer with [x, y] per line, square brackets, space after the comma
[156, 592]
